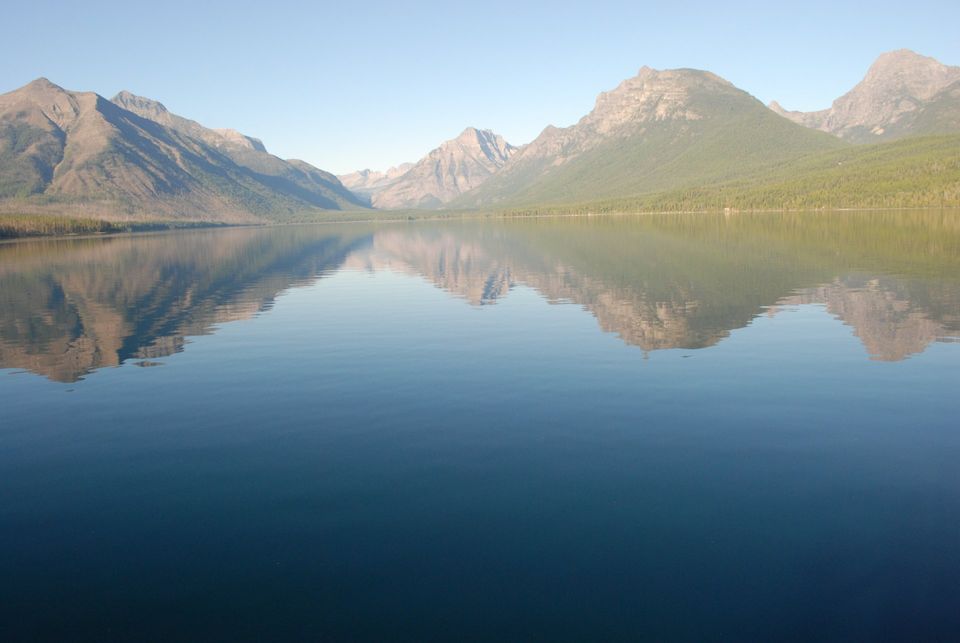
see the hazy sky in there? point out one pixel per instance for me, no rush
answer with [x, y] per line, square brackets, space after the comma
[373, 84]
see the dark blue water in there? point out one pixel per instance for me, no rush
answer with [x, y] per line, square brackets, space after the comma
[687, 428]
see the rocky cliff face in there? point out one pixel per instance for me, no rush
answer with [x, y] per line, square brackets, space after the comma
[888, 103]
[457, 166]
[650, 97]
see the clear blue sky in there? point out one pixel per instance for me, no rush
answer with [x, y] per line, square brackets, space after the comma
[372, 84]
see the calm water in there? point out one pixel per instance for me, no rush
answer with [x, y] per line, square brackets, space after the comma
[695, 428]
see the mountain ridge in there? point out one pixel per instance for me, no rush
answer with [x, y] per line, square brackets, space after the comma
[79, 153]
[156, 111]
[298, 178]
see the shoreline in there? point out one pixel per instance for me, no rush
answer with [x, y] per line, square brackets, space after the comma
[409, 216]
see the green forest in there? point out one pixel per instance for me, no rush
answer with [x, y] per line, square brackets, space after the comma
[909, 173]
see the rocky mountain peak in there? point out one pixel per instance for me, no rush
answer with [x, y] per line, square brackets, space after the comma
[473, 141]
[886, 103]
[60, 106]
[899, 59]
[468, 134]
[907, 73]
[43, 84]
[652, 95]
[454, 167]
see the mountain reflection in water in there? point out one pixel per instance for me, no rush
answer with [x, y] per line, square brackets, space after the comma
[70, 307]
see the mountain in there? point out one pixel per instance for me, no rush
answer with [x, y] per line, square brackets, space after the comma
[457, 166]
[364, 183]
[78, 153]
[902, 94]
[659, 130]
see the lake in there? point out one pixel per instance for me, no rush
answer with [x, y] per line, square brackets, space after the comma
[701, 427]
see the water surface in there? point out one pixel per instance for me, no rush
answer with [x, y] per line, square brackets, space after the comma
[685, 427]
